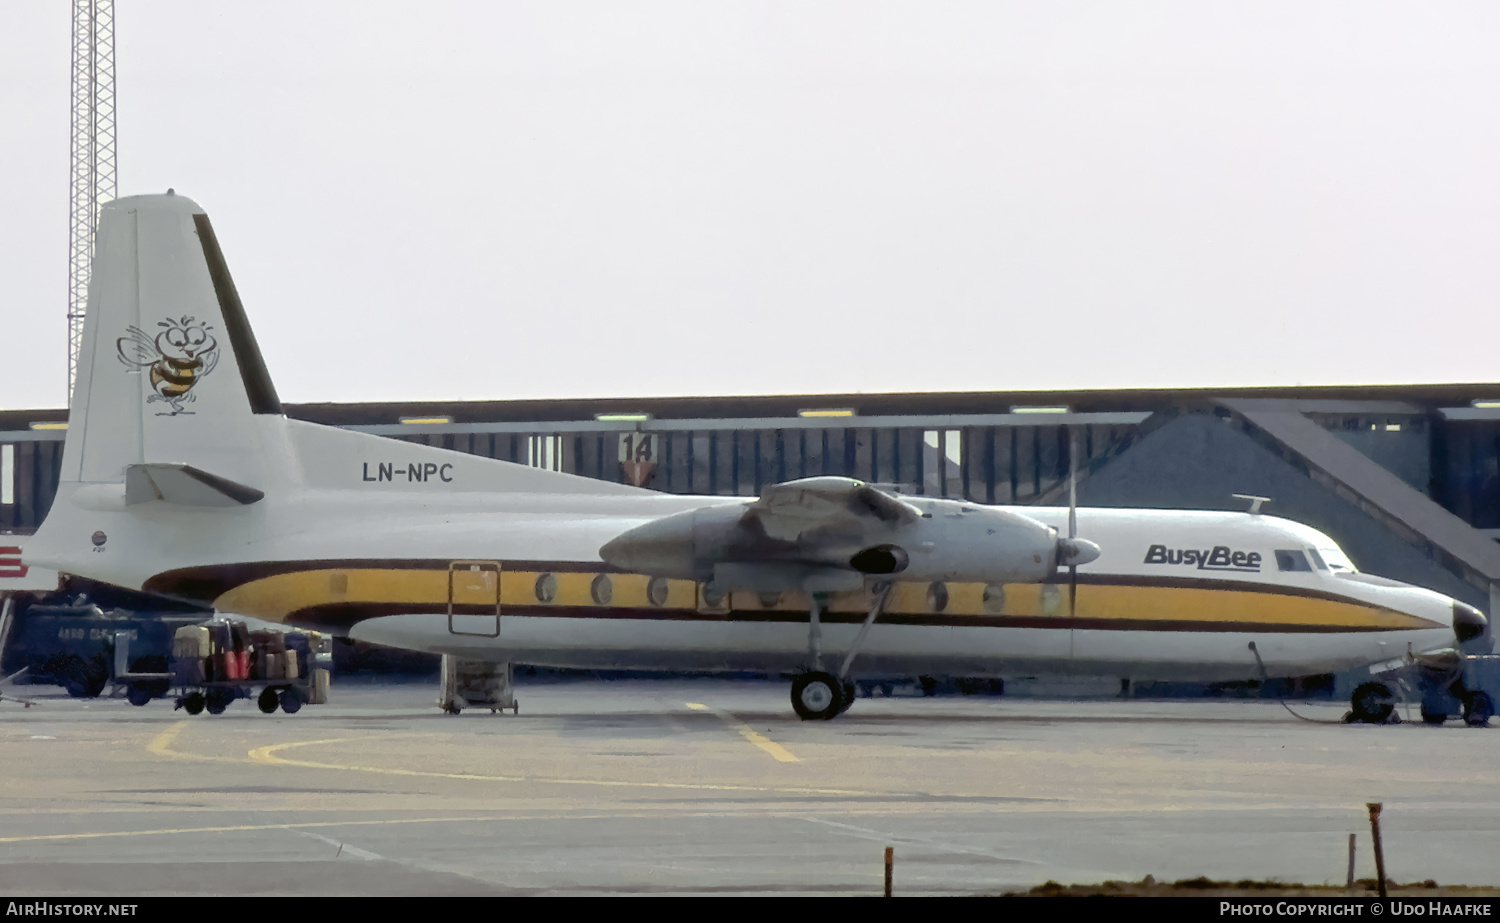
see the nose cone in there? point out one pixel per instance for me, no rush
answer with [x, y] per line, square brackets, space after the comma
[1469, 624]
[1074, 551]
[662, 547]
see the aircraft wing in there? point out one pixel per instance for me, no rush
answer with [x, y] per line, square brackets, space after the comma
[794, 529]
[826, 534]
[789, 510]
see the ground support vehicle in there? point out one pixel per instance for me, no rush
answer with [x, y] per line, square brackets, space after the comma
[76, 644]
[222, 660]
[215, 697]
[476, 684]
[1465, 689]
[1448, 684]
[138, 676]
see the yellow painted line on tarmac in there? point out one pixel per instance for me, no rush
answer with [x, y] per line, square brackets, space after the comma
[780, 753]
[267, 756]
[882, 813]
[263, 755]
[463, 819]
[161, 745]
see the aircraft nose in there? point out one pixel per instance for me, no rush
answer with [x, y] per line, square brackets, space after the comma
[1468, 623]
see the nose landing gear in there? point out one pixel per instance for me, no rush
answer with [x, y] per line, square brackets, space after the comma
[818, 695]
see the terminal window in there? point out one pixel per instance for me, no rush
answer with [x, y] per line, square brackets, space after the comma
[545, 452]
[945, 476]
[7, 474]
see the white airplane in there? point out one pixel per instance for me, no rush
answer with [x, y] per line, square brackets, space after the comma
[181, 476]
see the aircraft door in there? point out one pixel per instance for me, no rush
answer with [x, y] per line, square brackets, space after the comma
[474, 598]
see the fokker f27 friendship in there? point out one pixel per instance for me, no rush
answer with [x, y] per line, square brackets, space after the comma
[181, 476]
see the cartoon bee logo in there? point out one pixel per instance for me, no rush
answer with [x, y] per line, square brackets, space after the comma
[178, 357]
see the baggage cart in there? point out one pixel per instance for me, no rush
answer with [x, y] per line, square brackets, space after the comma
[221, 661]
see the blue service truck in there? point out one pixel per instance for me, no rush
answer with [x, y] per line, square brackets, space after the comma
[83, 647]
[82, 635]
[73, 641]
[1454, 685]
[88, 637]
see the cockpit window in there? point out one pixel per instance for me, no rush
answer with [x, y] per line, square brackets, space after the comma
[1317, 559]
[1291, 560]
[1338, 562]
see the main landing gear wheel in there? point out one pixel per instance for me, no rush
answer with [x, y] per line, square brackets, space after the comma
[1372, 703]
[847, 697]
[218, 700]
[817, 696]
[1479, 708]
[268, 701]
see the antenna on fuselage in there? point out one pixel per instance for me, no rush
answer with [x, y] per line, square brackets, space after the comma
[1255, 502]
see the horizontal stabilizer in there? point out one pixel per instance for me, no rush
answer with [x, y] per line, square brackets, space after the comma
[185, 486]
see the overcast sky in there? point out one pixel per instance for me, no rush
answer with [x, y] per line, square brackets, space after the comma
[482, 200]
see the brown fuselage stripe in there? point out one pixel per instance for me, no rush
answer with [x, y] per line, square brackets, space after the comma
[336, 594]
[341, 616]
[207, 583]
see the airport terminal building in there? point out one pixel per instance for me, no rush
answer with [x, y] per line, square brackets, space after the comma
[1405, 477]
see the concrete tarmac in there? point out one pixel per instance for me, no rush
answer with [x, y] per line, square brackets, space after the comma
[706, 786]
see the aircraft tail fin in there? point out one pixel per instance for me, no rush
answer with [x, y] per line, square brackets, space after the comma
[169, 372]
[173, 401]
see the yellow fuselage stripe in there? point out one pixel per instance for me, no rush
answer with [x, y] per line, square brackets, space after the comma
[277, 597]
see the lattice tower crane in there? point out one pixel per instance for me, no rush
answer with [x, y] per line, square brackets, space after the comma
[93, 154]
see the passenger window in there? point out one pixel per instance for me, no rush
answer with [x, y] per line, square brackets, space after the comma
[1292, 560]
[1317, 559]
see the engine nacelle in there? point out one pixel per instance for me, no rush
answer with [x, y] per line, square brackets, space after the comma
[942, 540]
[879, 560]
[683, 545]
